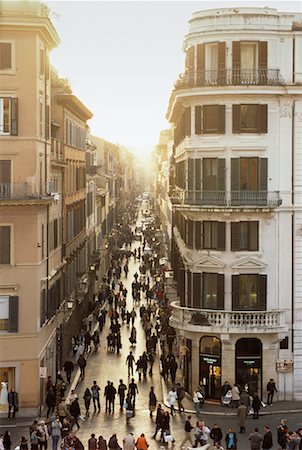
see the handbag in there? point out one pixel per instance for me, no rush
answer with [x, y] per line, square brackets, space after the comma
[168, 436]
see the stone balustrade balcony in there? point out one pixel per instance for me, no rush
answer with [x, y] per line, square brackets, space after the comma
[220, 321]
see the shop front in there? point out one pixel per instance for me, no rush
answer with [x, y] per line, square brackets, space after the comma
[8, 380]
[210, 366]
[249, 364]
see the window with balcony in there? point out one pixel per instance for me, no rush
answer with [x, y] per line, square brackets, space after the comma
[245, 236]
[249, 180]
[249, 292]
[249, 118]
[210, 119]
[5, 244]
[213, 235]
[249, 62]
[212, 291]
[8, 116]
[5, 178]
[6, 56]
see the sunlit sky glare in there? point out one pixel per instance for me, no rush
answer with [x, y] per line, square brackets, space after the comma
[123, 57]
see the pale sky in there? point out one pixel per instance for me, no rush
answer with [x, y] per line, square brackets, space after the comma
[123, 57]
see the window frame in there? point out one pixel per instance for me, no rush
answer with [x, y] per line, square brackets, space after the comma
[12, 70]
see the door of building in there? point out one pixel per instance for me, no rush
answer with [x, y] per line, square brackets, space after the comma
[249, 364]
[210, 366]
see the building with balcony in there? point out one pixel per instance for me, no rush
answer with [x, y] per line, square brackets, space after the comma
[236, 193]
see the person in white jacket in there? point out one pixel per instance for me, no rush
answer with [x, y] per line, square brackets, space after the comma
[172, 399]
[197, 399]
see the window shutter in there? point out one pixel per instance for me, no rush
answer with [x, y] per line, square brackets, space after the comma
[220, 291]
[188, 122]
[190, 59]
[262, 55]
[189, 288]
[200, 57]
[263, 174]
[5, 172]
[5, 55]
[47, 122]
[13, 319]
[262, 118]
[190, 174]
[196, 290]
[236, 55]
[14, 116]
[221, 174]
[4, 244]
[198, 120]
[198, 174]
[235, 174]
[221, 119]
[235, 236]
[181, 287]
[190, 228]
[221, 236]
[197, 235]
[235, 292]
[253, 236]
[221, 55]
[262, 292]
[236, 119]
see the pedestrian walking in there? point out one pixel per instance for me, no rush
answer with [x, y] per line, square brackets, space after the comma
[271, 389]
[133, 335]
[255, 439]
[180, 391]
[282, 431]
[202, 433]
[34, 440]
[95, 390]
[7, 443]
[113, 443]
[13, 403]
[133, 390]
[92, 442]
[141, 443]
[129, 442]
[82, 364]
[107, 397]
[121, 390]
[235, 396]
[267, 441]
[242, 412]
[75, 412]
[112, 394]
[56, 427]
[23, 443]
[158, 420]
[231, 439]
[130, 361]
[50, 401]
[188, 427]
[256, 405]
[152, 401]
[172, 399]
[197, 399]
[43, 436]
[102, 444]
[62, 409]
[87, 400]
[68, 367]
[216, 435]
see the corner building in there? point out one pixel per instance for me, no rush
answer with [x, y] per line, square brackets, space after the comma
[236, 194]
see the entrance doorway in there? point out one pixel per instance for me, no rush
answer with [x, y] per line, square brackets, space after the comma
[210, 366]
[249, 364]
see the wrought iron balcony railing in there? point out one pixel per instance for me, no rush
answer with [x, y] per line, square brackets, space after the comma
[230, 77]
[22, 191]
[234, 321]
[228, 199]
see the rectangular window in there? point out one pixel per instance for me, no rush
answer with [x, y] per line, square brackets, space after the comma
[213, 235]
[8, 115]
[210, 119]
[42, 61]
[209, 289]
[245, 236]
[5, 246]
[248, 53]
[248, 174]
[249, 118]
[5, 56]
[210, 174]
[249, 292]
[55, 233]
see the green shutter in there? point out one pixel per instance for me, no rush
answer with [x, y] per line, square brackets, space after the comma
[220, 291]
[221, 236]
[235, 292]
[262, 118]
[221, 119]
[200, 57]
[197, 290]
[236, 125]
[235, 174]
[262, 55]
[221, 174]
[190, 174]
[198, 235]
[188, 121]
[190, 59]
[5, 172]
[263, 174]
[5, 248]
[221, 55]
[262, 280]
[198, 174]
[14, 116]
[13, 320]
[235, 236]
[253, 236]
[198, 120]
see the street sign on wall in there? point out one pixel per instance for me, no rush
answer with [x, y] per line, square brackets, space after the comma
[284, 365]
[43, 372]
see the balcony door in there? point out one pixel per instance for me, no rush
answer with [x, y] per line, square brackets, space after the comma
[249, 181]
[5, 178]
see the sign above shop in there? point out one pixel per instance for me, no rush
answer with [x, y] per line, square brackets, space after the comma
[284, 365]
[43, 372]
[212, 360]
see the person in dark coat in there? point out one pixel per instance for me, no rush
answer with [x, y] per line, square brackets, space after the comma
[122, 388]
[255, 439]
[13, 403]
[282, 434]
[75, 411]
[216, 434]
[271, 389]
[50, 401]
[68, 367]
[256, 405]
[87, 400]
[102, 444]
[82, 364]
[267, 442]
[152, 401]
